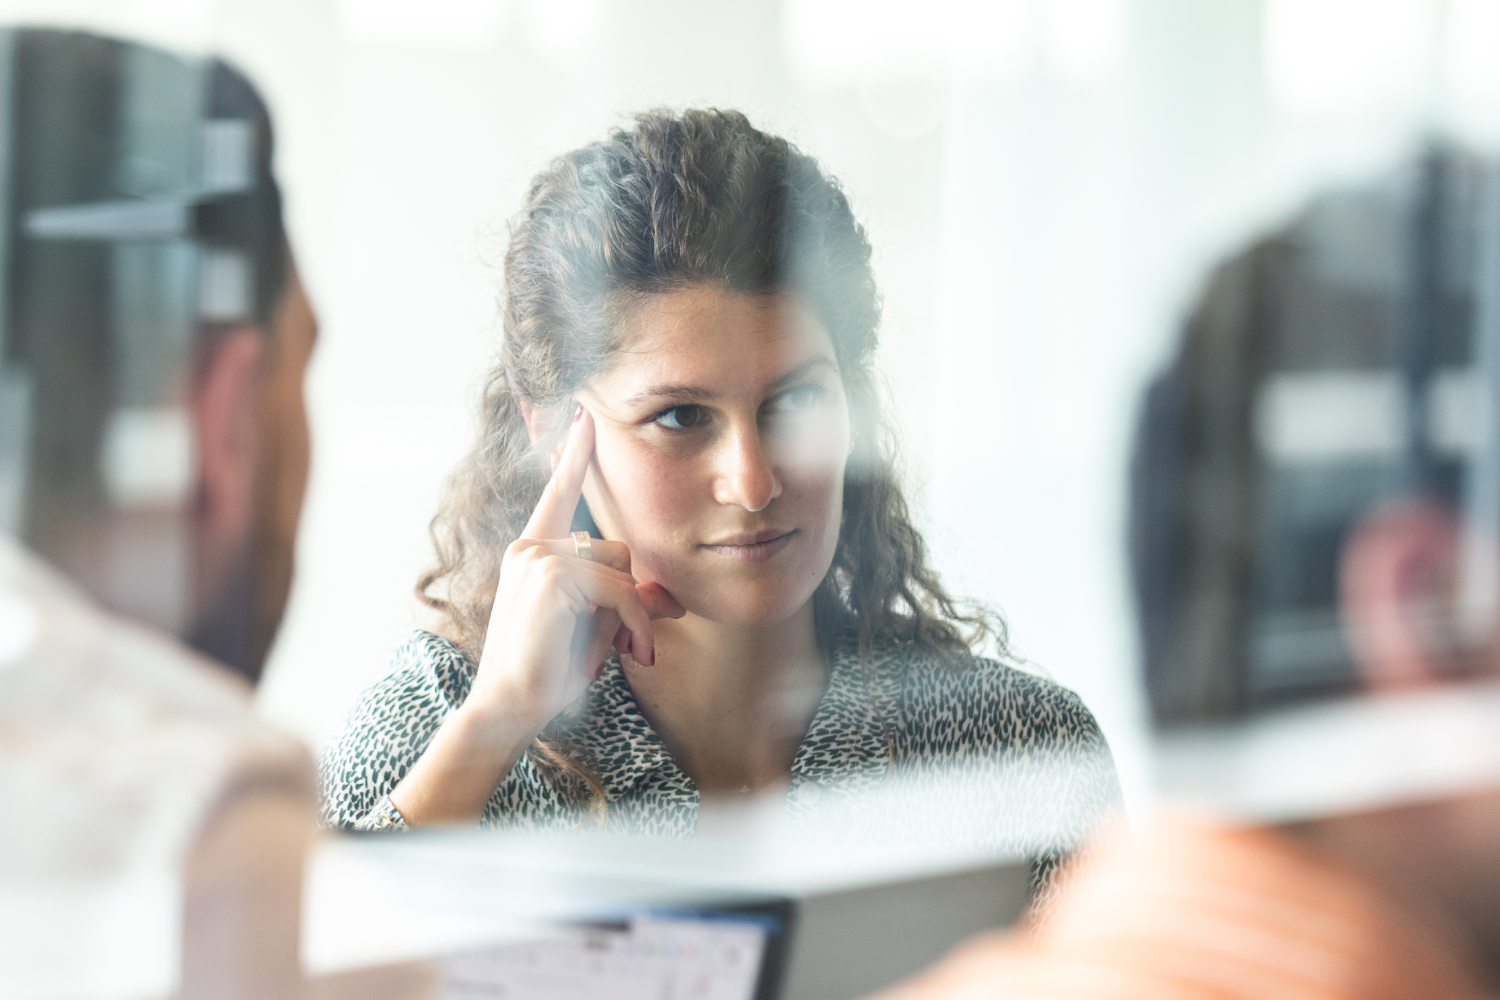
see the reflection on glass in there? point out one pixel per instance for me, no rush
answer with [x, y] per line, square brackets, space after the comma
[1314, 527]
[679, 590]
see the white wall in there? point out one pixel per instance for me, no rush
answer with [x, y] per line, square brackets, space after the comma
[1044, 181]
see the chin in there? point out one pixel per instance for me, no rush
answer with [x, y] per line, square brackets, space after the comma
[748, 607]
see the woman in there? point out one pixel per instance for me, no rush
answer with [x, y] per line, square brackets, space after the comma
[690, 326]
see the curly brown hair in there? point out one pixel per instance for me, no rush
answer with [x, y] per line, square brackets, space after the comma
[697, 198]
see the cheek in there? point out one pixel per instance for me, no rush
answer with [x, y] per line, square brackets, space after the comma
[816, 447]
[813, 463]
[814, 494]
[639, 495]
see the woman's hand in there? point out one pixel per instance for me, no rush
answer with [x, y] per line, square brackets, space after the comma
[554, 618]
[556, 614]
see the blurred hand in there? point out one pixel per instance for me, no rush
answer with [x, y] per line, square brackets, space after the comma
[1199, 911]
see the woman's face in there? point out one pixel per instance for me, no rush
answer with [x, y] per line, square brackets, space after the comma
[722, 433]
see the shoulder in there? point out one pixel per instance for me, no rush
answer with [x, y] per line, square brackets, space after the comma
[976, 698]
[1042, 750]
[427, 674]
[391, 724]
[143, 732]
[1020, 696]
[432, 662]
[54, 628]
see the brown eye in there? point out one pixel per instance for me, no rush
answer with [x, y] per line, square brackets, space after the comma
[682, 418]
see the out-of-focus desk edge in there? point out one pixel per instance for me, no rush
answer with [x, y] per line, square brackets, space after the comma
[383, 911]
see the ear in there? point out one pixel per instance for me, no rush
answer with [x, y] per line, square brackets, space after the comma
[224, 423]
[535, 425]
[1398, 583]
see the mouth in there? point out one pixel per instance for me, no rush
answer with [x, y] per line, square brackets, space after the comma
[752, 548]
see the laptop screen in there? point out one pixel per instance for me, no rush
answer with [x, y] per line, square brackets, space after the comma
[682, 956]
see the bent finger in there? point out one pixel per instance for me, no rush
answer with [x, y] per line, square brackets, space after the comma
[658, 602]
[622, 640]
[615, 555]
[622, 598]
[605, 626]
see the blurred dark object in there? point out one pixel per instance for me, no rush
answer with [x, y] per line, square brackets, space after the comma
[1332, 366]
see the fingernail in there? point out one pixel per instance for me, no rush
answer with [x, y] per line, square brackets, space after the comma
[652, 661]
[630, 645]
[578, 413]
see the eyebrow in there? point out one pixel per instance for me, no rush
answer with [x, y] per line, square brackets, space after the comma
[682, 394]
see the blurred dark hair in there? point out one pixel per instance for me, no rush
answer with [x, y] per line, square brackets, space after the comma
[252, 222]
[678, 200]
[1235, 554]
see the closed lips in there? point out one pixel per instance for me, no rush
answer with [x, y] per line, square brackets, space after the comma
[752, 548]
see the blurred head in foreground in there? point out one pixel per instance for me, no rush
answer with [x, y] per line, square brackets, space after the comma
[153, 338]
[1316, 503]
[153, 447]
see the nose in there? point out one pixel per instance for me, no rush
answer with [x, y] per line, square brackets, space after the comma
[745, 475]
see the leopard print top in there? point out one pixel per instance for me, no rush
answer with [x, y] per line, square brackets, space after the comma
[901, 747]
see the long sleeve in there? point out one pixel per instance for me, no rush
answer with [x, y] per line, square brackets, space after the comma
[384, 734]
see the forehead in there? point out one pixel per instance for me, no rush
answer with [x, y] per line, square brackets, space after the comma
[710, 334]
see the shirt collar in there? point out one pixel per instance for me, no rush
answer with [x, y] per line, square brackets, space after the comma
[846, 749]
[617, 736]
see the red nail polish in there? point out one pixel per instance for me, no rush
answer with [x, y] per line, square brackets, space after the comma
[578, 413]
[653, 656]
[630, 645]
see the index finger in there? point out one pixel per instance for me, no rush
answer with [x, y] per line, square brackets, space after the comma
[554, 511]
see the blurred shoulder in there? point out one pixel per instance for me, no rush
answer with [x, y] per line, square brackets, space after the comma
[52, 631]
[138, 731]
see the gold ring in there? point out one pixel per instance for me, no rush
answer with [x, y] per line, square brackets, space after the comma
[583, 546]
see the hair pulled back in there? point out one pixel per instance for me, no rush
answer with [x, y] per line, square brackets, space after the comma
[697, 198]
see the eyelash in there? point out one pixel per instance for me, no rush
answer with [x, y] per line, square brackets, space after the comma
[657, 418]
[815, 392]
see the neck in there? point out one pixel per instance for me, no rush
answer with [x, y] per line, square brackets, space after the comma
[732, 704]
